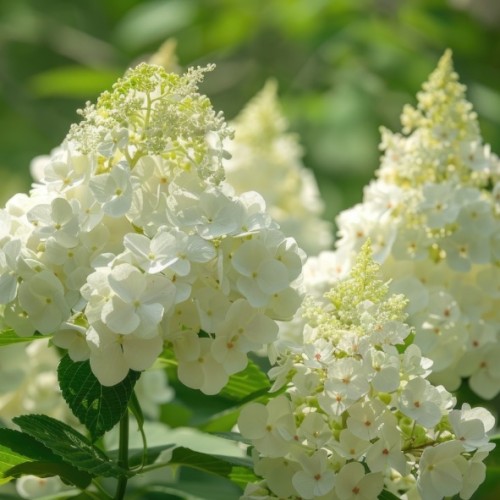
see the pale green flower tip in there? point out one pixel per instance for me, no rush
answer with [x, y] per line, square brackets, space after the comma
[364, 286]
[265, 110]
[152, 112]
[442, 101]
[440, 139]
[364, 282]
[445, 66]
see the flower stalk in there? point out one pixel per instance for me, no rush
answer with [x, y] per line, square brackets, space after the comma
[123, 457]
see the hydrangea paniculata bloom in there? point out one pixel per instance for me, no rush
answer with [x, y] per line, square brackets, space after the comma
[433, 215]
[267, 158]
[358, 414]
[131, 241]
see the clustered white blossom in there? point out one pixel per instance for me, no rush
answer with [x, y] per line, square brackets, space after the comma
[358, 414]
[131, 242]
[433, 216]
[265, 157]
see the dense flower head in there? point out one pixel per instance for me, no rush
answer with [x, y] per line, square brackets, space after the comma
[266, 157]
[358, 414]
[152, 112]
[131, 241]
[433, 216]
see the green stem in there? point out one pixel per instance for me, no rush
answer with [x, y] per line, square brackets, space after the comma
[123, 457]
[136, 410]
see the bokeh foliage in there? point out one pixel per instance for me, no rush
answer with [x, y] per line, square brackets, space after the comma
[344, 68]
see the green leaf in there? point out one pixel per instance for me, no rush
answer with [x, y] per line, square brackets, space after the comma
[252, 384]
[195, 485]
[220, 465]
[17, 448]
[241, 476]
[163, 439]
[198, 488]
[387, 495]
[221, 422]
[246, 385]
[490, 488]
[26, 445]
[236, 461]
[9, 337]
[67, 472]
[175, 414]
[213, 413]
[97, 407]
[233, 436]
[136, 456]
[9, 459]
[201, 461]
[22, 454]
[69, 444]
[73, 81]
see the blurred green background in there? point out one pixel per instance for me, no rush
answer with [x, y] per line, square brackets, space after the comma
[344, 68]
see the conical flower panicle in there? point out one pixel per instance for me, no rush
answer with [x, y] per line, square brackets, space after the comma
[130, 242]
[358, 413]
[441, 140]
[364, 284]
[262, 119]
[152, 112]
[443, 110]
[266, 157]
[432, 216]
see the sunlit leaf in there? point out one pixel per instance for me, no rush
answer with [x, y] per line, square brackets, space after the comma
[233, 436]
[69, 444]
[221, 422]
[67, 472]
[18, 448]
[97, 407]
[22, 454]
[9, 459]
[201, 461]
[26, 445]
[9, 337]
[242, 476]
[246, 384]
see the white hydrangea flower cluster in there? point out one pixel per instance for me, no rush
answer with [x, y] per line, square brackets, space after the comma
[358, 414]
[131, 242]
[265, 157]
[433, 216]
[32, 487]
